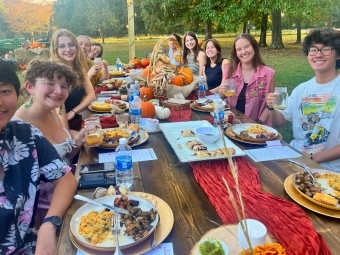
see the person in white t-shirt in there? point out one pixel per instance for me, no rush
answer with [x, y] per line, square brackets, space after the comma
[314, 106]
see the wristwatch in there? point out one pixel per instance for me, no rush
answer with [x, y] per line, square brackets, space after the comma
[55, 220]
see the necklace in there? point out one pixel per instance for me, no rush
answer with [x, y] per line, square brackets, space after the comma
[247, 75]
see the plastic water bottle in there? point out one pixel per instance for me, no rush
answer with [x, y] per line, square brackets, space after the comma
[124, 168]
[219, 114]
[119, 64]
[201, 88]
[137, 87]
[132, 92]
[135, 110]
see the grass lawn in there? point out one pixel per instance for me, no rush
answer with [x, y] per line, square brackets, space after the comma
[290, 65]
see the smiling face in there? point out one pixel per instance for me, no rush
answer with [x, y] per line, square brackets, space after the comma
[85, 44]
[95, 51]
[66, 49]
[51, 93]
[190, 42]
[321, 63]
[171, 43]
[244, 50]
[211, 50]
[8, 103]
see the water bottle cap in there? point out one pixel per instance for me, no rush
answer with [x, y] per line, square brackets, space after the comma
[122, 141]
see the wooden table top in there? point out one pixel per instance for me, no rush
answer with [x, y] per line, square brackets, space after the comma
[174, 182]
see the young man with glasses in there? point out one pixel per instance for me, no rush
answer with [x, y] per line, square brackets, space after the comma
[314, 106]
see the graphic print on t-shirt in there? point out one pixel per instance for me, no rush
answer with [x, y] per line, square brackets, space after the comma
[317, 113]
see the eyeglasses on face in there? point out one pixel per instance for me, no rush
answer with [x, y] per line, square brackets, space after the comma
[71, 46]
[65, 87]
[325, 51]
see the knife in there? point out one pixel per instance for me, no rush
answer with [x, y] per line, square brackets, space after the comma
[115, 209]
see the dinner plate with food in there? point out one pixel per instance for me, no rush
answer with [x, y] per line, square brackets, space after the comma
[229, 132]
[197, 141]
[206, 105]
[108, 105]
[92, 224]
[254, 132]
[324, 192]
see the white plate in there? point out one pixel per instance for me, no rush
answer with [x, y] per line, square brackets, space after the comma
[240, 127]
[124, 240]
[172, 132]
[102, 101]
[209, 106]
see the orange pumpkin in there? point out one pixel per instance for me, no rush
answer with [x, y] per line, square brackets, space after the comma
[146, 91]
[32, 46]
[43, 46]
[186, 75]
[135, 62]
[200, 42]
[145, 62]
[145, 73]
[22, 67]
[36, 44]
[177, 80]
[147, 108]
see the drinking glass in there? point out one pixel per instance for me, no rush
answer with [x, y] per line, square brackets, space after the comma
[282, 98]
[231, 88]
[93, 132]
[96, 61]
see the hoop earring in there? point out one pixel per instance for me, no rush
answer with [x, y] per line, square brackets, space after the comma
[60, 110]
[29, 104]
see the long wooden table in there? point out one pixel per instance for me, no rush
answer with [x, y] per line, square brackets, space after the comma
[174, 182]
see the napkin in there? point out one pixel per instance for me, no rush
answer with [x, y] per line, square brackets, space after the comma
[108, 122]
[180, 115]
[178, 101]
[285, 220]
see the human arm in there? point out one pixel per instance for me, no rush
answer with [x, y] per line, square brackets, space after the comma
[90, 96]
[325, 155]
[276, 116]
[201, 62]
[105, 71]
[65, 188]
[265, 113]
[79, 140]
[216, 90]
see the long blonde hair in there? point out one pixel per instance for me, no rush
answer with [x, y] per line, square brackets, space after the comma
[80, 61]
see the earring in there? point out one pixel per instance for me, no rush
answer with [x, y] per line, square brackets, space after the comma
[29, 104]
[60, 110]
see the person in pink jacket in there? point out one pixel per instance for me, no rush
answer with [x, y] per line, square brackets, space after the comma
[253, 79]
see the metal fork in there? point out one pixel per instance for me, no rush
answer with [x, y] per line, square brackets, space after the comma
[116, 230]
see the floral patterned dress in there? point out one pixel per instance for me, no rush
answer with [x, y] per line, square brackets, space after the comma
[27, 157]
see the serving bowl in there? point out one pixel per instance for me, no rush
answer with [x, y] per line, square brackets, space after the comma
[208, 134]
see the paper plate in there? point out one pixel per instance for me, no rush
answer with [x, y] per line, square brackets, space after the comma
[229, 132]
[238, 128]
[136, 139]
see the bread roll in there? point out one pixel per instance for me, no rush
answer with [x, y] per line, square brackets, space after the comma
[134, 127]
[326, 199]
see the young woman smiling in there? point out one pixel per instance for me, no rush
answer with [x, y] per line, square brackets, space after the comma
[214, 65]
[193, 55]
[65, 49]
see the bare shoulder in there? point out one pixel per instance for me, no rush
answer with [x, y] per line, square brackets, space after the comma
[225, 62]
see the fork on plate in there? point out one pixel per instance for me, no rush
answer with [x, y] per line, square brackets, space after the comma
[116, 230]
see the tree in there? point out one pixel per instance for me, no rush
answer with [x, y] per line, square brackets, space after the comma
[264, 27]
[24, 16]
[276, 30]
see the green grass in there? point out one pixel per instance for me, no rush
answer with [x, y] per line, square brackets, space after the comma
[290, 65]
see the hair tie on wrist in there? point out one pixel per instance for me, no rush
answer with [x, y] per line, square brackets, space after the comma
[74, 111]
[269, 108]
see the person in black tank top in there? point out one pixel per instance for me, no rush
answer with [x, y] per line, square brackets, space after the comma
[214, 62]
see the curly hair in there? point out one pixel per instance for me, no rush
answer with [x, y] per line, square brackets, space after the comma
[234, 60]
[79, 63]
[196, 49]
[47, 69]
[327, 37]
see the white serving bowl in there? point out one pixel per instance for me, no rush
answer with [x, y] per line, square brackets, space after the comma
[257, 233]
[215, 241]
[208, 134]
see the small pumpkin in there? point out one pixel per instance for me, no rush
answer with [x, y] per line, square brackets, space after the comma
[145, 73]
[135, 62]
[36, 44]
[186, 74]
[162, 113]
[145, 62]
[22, 67]
[177, 80]
[147, 108]
[146, 91]
[43, 46]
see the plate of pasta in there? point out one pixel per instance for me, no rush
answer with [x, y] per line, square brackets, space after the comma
[254, 132]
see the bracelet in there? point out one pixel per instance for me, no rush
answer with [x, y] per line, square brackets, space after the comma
[258, 121]
[311, 156]
[74, 111]
[269, 108]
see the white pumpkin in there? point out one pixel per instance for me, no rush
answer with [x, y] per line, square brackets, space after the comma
[162, 113]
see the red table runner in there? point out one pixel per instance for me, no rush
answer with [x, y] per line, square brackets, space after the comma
[285, 220]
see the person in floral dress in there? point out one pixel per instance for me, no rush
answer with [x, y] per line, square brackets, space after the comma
[26, 157]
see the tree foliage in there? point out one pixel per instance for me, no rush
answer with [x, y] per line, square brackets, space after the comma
[24, 16]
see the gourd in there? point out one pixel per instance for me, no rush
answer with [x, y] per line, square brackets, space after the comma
[146, 91]
[177, 80]
[145, 73]
[162, 113]
[135, 62]
[145, 62]
[147, 108]
[35, 45]
[186, 74]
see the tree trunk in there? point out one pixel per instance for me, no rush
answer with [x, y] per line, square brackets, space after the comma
[208, 30]
[276, 30]
[330, 22]
[298, 31]
[264, 26]
[244, 27]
